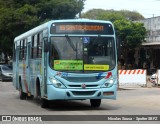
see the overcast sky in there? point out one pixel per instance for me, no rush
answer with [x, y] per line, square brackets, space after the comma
[148, 8]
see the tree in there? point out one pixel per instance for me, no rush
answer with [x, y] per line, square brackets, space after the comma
[112, 15]
[131, 15]
[12, 23]
[60, 9]
[19, 16]
[131, 35]
[94, 13]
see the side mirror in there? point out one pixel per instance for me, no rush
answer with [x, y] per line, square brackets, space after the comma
[46, 45]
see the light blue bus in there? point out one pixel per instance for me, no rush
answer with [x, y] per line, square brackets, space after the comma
[71, 59]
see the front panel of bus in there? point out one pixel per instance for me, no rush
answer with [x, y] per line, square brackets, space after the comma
[82, 61]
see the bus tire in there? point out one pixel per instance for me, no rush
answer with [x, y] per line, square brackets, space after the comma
[22, 95]
[3, 79]
[95, 102]
[30, 97]
[44, 103]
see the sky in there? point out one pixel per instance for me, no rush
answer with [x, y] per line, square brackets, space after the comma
[147, 8]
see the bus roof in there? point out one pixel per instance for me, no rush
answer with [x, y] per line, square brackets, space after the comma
[80, 20]
[47, 24]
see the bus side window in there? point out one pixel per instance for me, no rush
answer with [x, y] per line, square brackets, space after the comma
[24, 49]
[21, 52]
[55, 55]
[34, 46]
[39, 45]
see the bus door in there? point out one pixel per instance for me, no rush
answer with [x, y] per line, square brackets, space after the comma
[28, 65]
[44, 67]
[44, 63]
[16, 69]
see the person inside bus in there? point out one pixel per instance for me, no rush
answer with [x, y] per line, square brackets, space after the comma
[98, 51]
[95, 51]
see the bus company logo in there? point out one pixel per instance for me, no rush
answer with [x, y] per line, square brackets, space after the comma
[83, 86]
[6, 118]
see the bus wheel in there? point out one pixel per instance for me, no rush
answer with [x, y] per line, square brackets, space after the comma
[44, 103]
[22, 95]
[95, 102]
[30, 97]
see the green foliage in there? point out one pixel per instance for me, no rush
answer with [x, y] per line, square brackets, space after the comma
[131, 15]
[132, 34]
[19, 16]
[14, 21]
[94, 14]
[59, 9]
[112, 15]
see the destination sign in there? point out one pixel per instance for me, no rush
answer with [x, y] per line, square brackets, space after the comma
[82, 28]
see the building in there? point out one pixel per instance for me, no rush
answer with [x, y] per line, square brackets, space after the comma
[150, 50]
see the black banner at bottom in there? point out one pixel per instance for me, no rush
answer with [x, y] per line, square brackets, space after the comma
[80, 118]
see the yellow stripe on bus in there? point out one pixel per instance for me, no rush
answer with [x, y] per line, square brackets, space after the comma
[95, 67]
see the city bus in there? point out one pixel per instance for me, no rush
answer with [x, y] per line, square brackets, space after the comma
[72, 59]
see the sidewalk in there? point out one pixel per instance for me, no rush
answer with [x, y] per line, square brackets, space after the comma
[131, 86]
[135, 86]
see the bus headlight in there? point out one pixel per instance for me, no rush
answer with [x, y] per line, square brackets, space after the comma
[108, 83]
[56, 83]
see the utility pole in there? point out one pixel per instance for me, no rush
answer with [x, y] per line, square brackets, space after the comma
[80, 2]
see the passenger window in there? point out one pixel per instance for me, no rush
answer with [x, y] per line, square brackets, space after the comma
[39, 45]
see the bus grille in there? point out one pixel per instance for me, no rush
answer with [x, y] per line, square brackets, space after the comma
[83, 79]
[85, 93]
[80, 86]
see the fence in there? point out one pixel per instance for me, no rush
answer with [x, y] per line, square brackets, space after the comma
[133, 77]
[158, 77]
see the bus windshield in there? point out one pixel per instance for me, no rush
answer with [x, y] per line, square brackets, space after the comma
[82, 54]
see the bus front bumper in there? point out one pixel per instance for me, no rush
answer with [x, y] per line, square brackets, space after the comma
[80, 94]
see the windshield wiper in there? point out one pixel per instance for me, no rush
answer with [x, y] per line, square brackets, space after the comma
[70, 43]
[96, 38]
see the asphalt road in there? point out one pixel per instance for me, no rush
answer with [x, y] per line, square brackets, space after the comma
[132, 101]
